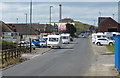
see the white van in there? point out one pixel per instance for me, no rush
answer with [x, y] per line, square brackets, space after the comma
[65, 38]
[54, 41]
[97, 35]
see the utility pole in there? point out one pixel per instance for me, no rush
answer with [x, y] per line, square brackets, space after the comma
[30, 24]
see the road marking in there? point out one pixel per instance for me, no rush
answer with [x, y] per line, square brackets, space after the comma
[36, 55]
[108, 65]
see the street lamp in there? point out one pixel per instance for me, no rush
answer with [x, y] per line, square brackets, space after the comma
[60, 11]
[26, 17]
[30, 24]
[100, 13]
[50, 14]
[113, 15]
[17, 20]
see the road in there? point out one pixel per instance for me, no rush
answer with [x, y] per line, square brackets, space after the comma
[73, 59]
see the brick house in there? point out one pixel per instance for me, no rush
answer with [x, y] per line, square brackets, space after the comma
[107, 24]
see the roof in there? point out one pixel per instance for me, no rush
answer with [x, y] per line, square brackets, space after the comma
[103, 19]
[4, 27]
[26, 29]
[66, 20]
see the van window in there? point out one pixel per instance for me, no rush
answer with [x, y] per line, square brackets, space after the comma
[64, 37]
[53, 39]
[98, 36]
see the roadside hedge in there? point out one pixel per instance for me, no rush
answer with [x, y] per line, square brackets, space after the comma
[8, 45]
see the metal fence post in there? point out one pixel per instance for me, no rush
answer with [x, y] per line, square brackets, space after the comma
[117, 52]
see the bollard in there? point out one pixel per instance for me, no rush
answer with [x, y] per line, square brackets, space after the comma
[117, 52]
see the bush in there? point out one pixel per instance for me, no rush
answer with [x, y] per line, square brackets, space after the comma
[8, 45]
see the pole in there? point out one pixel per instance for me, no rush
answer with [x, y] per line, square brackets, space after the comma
[30, 23]
[17, 20]
[100, 13]
[113, 15]
[26, 17]
[60, 11]
[50, 14]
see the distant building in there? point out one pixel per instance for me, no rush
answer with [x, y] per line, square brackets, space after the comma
[66, 20]
[107, 24]
[35, 29]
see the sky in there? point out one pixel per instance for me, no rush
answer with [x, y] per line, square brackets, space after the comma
[86, 12]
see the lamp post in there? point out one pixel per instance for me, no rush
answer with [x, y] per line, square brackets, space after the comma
[113, 15]
[17, 20]
[30, 24]
[50, 14]
[60, 11]
[26, 17]
[100, 13]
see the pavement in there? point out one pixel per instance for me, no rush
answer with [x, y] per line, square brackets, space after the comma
[36, 53]
[104, 64]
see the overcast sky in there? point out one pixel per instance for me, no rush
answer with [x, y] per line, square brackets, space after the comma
[85, 12]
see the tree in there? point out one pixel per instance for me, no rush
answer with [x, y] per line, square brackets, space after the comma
[70, 28]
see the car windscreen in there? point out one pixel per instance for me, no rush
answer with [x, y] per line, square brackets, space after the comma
[53, 39]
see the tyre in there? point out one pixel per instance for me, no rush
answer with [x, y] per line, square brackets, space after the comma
[59, 47]
[110, 44]
[98, 43]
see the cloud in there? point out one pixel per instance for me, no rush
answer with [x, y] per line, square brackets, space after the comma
[61, 0]
[85, 12]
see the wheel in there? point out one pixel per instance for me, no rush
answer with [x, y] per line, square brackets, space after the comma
[110, 44]
[98, 44]
[59, 47]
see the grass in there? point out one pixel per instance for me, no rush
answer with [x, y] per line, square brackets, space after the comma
[111, 48]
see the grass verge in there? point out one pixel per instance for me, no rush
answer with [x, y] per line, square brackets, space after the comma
[111, 48]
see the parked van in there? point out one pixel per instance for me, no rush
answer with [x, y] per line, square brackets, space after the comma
[97, 35]
[65, 38]
[54, 41]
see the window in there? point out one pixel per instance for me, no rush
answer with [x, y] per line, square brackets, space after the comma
[53, 39]
[101, 39]
[64, 37]
[36, 40]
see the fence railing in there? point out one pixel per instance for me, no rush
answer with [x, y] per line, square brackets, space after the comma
[7, 55]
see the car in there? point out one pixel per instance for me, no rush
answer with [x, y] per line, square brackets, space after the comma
[32, 46]
[43, 43]
[104, 41]
[71, 39]
[36, 42]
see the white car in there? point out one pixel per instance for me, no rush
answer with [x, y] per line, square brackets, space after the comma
[104, 41]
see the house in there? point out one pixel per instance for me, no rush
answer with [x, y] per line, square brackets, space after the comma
[66, 20]
[107, 24]
[7, 33]
[26, 31]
